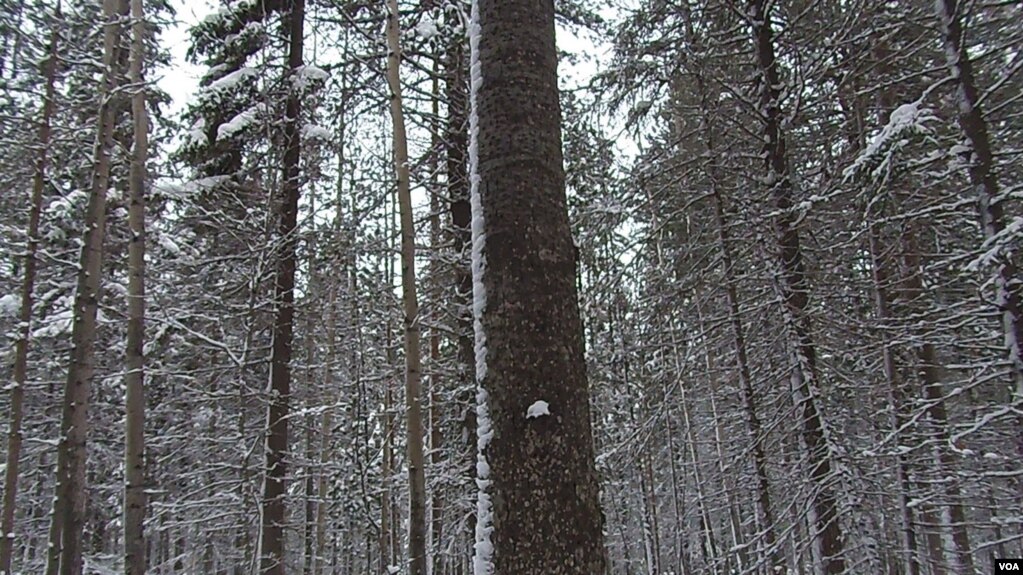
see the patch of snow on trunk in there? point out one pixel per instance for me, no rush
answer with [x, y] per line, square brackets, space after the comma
[483, 558]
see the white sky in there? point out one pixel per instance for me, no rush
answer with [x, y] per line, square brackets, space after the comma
[181, 79]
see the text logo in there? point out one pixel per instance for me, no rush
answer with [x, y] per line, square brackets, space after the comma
[1003, 566]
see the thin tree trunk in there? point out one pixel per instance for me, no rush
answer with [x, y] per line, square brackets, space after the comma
[929, 374]
[457, 149]
[763, 498]
[649, 545]
[326, 428]
[795, 293]
[436, 437]
[386, 557]
[881, 278]
[68, 518]
[651, 499]
[413, 368]
[735, 527]
[710, 545]
[134, 398]
[272, 538]
[539, 508]
[681, 533]
[309, 526]
[17, 399]
[749, 401]
[327, 420]
[984, 181]
[315, 394]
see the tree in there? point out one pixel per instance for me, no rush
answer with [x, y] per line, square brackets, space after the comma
[539, 510]
[68, 518]
[271, 555]
[794, 289]
[984, 179]
[14, 431]
[134, 397]
[413, 363]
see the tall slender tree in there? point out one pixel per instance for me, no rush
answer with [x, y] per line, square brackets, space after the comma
[17, 414]
[980, 160]
[272, 535]
[134, 397]
[413, 361]
[69, 504]
[793, 287]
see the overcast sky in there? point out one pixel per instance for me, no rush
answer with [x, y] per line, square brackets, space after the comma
[181, 79]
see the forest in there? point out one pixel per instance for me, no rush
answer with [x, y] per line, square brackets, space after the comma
[511, 287]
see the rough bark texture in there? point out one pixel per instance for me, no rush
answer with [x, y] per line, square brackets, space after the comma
[68, 519]
[546, 514]
[794, 292]
[135, 402]
[14, 436]
[413, 362]
[271, 554]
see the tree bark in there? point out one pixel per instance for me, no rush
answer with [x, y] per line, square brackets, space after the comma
[413, 362]
[134, 399]
[68, 518]
[326, 427]
[17, 413]
[539, 506]
[271, 549]
[386, 536]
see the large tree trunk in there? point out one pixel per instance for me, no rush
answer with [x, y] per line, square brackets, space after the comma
[413, 367]
[134, 399]
[271, 549]
[795, 295]
[17, 414]
[539, 510]
[68, 518]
